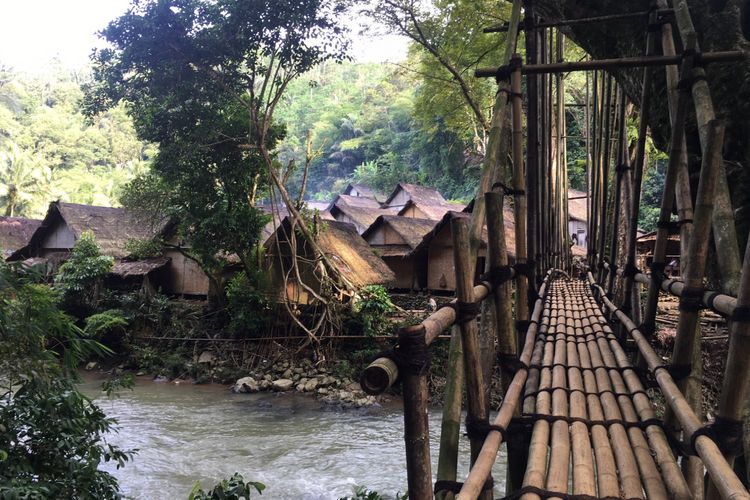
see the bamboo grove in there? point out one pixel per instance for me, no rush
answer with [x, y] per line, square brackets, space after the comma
[573, 342]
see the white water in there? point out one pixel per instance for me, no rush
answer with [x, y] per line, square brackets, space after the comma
[287, 441]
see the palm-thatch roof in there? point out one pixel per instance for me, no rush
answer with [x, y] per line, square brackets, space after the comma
[358, 210]
[427, 200]
[344, 247]
[361, 190]
[411, 230]
[112, 227]
[279, 212]
[15, 233]
[138, 268]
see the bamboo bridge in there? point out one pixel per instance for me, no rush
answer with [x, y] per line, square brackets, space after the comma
[573, 342]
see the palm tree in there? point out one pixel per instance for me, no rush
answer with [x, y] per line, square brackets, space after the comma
[21, 179]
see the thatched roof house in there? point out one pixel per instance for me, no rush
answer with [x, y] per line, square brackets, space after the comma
[360, 190]
[278, 214]
[65, 222]
[358, 210]
[645, 245]
[15, 233]
[420, 202]
[394, 238]
[577, 220]
[340, 242]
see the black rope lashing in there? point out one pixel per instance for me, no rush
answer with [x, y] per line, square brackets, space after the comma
[569, 391]
[524, 268]
[657, 271]
[640, 424]
[478, 429]
[677, 372]
[691, 299]
[510, 363]
[413, 357]
[522, 326]
[647, 328]
[465, 311]
[741, 314]
[542, 493]
[510, 93]
[497, 275]
[725, 432]
[622, 168]
[507, 190]
[630, 270]
[503, 72]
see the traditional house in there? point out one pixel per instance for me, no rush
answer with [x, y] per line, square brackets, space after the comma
[349, 254]
[15, 233]
[394, 238]
[420, 202]
[645, 245]
[360, 191]
[113, 228]
[436, 248]
[278, 214]
[358, 210]
[577, 218]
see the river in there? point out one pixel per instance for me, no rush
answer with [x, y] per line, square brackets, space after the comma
[188, 433]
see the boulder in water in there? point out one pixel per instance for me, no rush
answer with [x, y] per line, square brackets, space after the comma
[282, 384]
[246, 384]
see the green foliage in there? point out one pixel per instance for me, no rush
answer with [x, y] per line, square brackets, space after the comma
[362, 493]
[144, 249]
[248, 308]
[234, 488]
[80, 278]
[52, 438]
[372, 308]
[108, 327]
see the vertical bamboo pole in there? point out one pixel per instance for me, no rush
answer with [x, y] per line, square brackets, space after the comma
[604, 180]
[640, 159]
[416, 426]
[724, 231]
[477, 407]
[519, 186]
[587, 119]
[450, 425]
[532, 141]
[622, 144]
[507, 340]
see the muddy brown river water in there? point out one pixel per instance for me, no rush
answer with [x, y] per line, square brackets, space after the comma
[298, 449]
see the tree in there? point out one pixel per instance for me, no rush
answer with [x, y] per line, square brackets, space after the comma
[52, 438]
[21, 180]
[81, 277]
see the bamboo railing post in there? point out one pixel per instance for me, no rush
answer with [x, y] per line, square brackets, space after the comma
[604, 180]
[416, 422]
[450, 425]
[622, 165]
[507, 340]
[532, 142]
[676, 149]
[640, 159]
[519, 188]
[724, 233]
[477, 407]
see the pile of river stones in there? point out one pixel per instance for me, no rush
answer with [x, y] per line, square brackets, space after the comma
[306, 378]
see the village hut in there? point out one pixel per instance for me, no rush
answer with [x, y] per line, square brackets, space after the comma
[113, 228]
[436, 248]
[279, 212]
[15, 233]
[360, 191]
[645, 245]
[358, 210]
[394, 238]
[577, 219]
[420, 202]
[350, 255]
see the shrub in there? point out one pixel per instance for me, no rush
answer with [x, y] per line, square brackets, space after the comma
[248, 309]
[371, 310]
[52, 438]
[80, 278]
[144, 249]
[234, 488]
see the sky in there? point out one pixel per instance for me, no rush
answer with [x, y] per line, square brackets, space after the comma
[35, 32]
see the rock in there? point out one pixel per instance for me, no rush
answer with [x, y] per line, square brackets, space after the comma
[282, 384]
[345, 395]
[300, 387]
[206, 357]
[353, 386]
[268, 378]
[296, 377]
[92, 365]
[287, 374]
[303, 380]
[311, 385]
[161, 378]
[246, 384]
[140, 374]
[323, 391]
[265, 385]
[299, 371]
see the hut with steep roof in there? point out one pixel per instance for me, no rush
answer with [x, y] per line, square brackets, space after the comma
[358, 210]
[360, 191]
[577, 218]
[394, 238]
[15, 233]
[345, 249]
[420, 202]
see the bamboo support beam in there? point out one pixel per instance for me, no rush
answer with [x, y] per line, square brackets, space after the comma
[625, 62]
[519, 188]
[502, 28]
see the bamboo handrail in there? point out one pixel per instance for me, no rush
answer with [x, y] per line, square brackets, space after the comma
[721, 473]
[488, 453]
